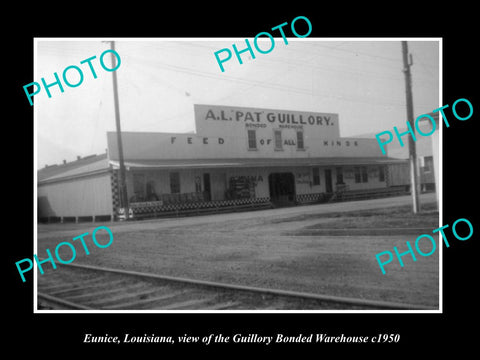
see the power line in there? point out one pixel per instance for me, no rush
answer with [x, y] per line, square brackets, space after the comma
[303, 64]
[363, 53]
[342, 69]
[221, 77]
[157, 65]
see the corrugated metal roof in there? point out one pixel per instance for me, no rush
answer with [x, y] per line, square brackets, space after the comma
[256, 162]
[74, 168]
[98, 163]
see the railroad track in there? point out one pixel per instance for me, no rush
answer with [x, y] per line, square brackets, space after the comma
[85, 287]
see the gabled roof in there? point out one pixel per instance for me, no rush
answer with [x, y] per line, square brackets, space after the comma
[81, 166]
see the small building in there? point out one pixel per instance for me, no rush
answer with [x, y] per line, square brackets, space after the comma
[237, 158]
[78, 190]
[425, 147]
[435, 143]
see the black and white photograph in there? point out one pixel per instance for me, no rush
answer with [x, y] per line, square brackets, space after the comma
[259, 188]
[230, 182]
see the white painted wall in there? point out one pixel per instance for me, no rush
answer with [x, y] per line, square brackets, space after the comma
[85, 196]
[228, 138]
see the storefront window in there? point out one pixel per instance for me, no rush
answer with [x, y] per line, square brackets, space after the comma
[361, 174]
[151, 193]
[428, 164]
[139, 186]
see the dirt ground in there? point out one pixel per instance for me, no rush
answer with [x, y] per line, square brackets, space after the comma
[320, 249]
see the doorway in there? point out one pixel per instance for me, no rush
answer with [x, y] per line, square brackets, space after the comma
[328, 181]
[282, 188]
[219, 185]
[207, 190]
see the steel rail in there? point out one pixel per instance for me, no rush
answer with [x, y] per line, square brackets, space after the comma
[288, 293]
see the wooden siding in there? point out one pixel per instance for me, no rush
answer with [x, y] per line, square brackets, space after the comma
[84, 196]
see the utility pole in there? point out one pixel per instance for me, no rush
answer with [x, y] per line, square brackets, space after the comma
[122, 184]
[411, 143]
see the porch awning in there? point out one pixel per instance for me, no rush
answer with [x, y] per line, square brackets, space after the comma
[255, 162]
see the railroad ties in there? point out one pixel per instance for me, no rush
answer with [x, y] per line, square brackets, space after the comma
[84, 287]
[67, 289]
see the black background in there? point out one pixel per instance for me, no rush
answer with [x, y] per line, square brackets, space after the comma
[29, 333]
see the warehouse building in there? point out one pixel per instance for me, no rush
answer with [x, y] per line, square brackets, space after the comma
[237, 158]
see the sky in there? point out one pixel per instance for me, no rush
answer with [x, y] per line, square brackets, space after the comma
[159, 81]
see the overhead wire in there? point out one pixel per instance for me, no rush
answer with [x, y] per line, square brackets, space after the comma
[152, 66]
[254, 83]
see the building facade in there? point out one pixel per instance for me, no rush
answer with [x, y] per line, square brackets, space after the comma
[236, 157]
